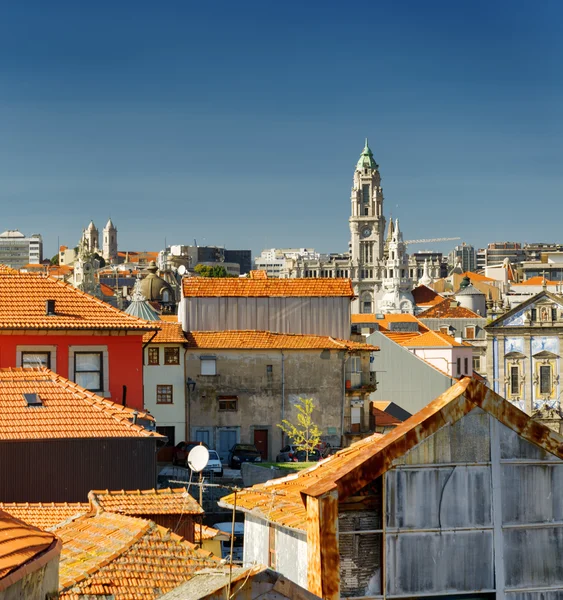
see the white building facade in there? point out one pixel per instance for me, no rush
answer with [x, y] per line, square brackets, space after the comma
[17, 250]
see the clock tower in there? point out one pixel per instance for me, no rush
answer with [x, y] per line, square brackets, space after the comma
[367, 226]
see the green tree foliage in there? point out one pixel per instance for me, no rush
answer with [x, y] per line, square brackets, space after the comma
[55, 260]
[306, 436]
[101, 260]
[209, 271]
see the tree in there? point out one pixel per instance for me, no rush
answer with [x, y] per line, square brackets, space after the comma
[306, 436]
[208, 271]
[55, 260]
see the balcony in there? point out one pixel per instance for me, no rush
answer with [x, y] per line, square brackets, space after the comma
[361, 382]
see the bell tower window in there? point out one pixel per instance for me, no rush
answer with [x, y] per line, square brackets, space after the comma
[365, 193]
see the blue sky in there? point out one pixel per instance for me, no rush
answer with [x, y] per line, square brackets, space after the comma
[240, 123]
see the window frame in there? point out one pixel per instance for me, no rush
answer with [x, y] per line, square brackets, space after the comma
[175, 351]
[541, 379]
[208, 360]
[150, 361]
[31, 352]
[72, 350]
[169, 389]
[476, 361]
[100, 371]
[37, 349]
[231, 400]
[467, 328]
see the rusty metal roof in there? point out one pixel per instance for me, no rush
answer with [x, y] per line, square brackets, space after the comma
[348, 471]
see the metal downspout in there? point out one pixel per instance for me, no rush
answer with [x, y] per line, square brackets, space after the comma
[282, 391]
[187, 394]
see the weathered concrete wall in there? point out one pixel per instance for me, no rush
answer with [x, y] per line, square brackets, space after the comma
[264, 396]
[35, 585]
[253, 474]
[256, 541]
[291, 555]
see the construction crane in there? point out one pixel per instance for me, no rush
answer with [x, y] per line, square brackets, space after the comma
[446, 239]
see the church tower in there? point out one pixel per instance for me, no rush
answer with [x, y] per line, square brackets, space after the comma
[110, 241]
[397, 284]
[367, 226]
[91, 238]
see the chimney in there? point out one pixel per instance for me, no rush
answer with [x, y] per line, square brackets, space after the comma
[50, 308]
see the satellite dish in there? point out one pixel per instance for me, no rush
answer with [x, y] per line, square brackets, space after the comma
[198, 458]
[181, 269]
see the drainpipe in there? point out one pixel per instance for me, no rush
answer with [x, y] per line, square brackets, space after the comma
[344, 359]
[282, 391]
[187, 395]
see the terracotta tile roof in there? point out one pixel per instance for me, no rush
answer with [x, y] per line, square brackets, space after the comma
[169, 318]
[146, 502]
[445, 310]
[383, 419]
[6, 270]
[538, 280]
[209, 287]
[258, 274]
[45, 514]
[22, 306]
[351, 469]
[66, 411]
[106, 290]
[209, 533]
[125, 558]
[252, 340]
[431, 339]
[170, 333]
[20, 543]
[383, 321]
[425, 296]
[476, 276]
[400, 336]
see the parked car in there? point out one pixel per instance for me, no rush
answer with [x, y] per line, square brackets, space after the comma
[238, 543]
[241, 453]
[290, 453]
[214, 465]
[181, 451]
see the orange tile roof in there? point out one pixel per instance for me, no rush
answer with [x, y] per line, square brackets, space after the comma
[126, 558]
[6, 270]
[431, 339]
[106, 290]
[209, 533]
[383, 419]
[538, 280]
[22, 306]
[348, 471]
[67, 410]
[20, 543]
[400, 336]
[170, 333]
[386, 319]
[445, 310]
[169, 318]
[252, 340]
[209, 287]
[258, 274]
[476, 276]
[425, 296]
[146, 502]
[45, 514]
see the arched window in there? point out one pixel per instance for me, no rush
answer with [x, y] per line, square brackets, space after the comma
[166, 296]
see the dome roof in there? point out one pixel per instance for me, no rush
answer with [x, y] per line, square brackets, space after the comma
[154, 287]
[469, 290]
[366, 159]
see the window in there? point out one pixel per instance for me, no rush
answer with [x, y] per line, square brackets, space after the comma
[208, 365]
[554, 314]
[269, 372]
[366, 211]
[477, 363]
[171, 356]
[36, 359]
[227, 403]
[366, 308]
[365, 193]
[445, 329]
[470, 332]
[514, 381]
[164, 394]
[458, 366]
[88, 370]
[169, 432]
[354, 364]
[466, 366]
[534, 314]
[545, 379]
[154, 356]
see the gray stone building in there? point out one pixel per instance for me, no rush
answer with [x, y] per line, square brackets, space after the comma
[242, 384]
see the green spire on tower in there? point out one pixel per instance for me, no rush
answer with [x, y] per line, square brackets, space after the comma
[366, 159]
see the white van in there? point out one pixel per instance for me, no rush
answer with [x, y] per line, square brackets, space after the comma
[238, 543]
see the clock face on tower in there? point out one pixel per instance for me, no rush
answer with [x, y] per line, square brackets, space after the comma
[366, 232]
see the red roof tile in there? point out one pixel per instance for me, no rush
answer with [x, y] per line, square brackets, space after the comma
[430, 339]
[425, 296]
[209, 287]
[146, 502]
[252, 340]
[20, 543]
[384, 321]
[124, 558]
[445, 310]
[22, 306]
[66, 410]
[45, 514]
[170, 333]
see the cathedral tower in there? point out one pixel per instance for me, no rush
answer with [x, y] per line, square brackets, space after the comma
[367, 226]
[91, 238]
[110, 241]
